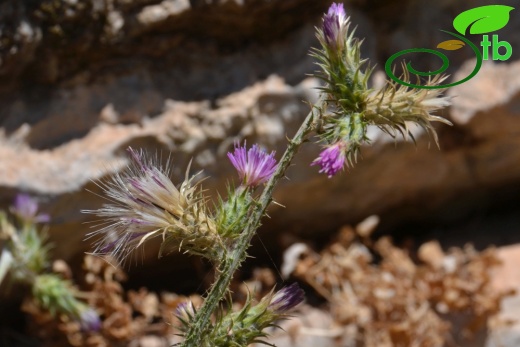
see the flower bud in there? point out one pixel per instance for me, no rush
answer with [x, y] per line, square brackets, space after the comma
[246, 326]
[89, 320]
[185, 311]
[26, 208]
[334, 27]
[57, 296]
[232, 214]
[395, 106]
[286, 299]
[331, 159]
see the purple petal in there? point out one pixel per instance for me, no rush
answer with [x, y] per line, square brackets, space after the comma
[254, 166]
[331, 159]
[42, 218]
[137, 158]
[332, 23]
[337, 10]
[287, 298]
[89, 320]
[26, 208]
[110, 246]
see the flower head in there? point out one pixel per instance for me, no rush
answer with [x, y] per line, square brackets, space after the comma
[185, 312]
[335, 26]
[286, 299]
[246, 326]
[145, 204]
[26, 208]
[254, 166]
[58, 296]
[89, 320]
[331, 159]
[393, 107]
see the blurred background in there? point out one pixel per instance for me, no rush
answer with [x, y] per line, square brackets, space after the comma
[81, 80]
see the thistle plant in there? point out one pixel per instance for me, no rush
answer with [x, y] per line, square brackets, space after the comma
[349, 106]
[144, 203]
[25, 261]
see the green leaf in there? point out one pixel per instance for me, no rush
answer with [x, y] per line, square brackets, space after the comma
[451, 45]
[483, 19]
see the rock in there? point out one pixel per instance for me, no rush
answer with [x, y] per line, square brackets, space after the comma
[190, 130]
[491, 88]
[505, 330]
[169, 76]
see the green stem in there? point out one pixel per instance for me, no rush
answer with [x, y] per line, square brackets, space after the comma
[235, 257]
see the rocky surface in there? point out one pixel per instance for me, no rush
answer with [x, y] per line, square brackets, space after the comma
[506, 327]
[313, 327]
[81, 81]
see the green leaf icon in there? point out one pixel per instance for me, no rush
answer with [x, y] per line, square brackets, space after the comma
[483, 19]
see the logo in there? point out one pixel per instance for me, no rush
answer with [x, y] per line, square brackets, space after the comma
[480, 21]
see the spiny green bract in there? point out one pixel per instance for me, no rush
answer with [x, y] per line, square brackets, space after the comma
[231, 215]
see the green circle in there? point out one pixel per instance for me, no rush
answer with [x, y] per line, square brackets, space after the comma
[445, 65]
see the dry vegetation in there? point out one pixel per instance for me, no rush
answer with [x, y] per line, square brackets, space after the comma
[388, 299]
[381, 294]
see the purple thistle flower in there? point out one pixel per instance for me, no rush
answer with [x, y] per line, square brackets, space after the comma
[331, 159]
[144, 204]
[89, 320]
[26, 208]
[286, 298]
[334, 26]
[254, 166]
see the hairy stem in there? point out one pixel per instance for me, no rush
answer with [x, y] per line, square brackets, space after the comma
[238, 253]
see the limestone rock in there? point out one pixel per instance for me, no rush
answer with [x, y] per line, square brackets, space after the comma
[190, 78]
